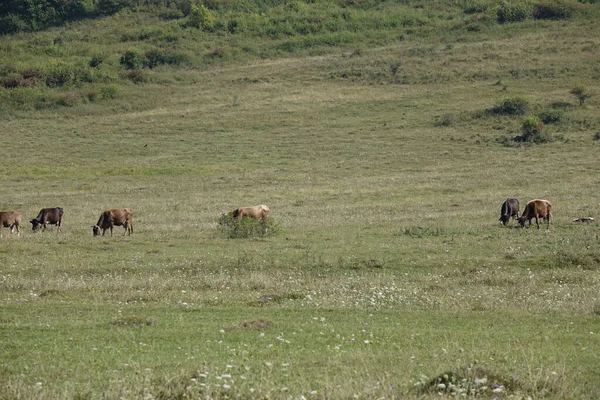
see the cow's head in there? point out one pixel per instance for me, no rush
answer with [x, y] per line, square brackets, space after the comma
[522, 220]
[96, 230]
[504, 219]
[35, 224]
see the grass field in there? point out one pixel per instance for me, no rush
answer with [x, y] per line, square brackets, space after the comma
[389, 275]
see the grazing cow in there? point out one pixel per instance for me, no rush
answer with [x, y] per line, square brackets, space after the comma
[536, 209]
[259, 213]
[114, 217]
[48, 216]
[510, 208]
[12, 220]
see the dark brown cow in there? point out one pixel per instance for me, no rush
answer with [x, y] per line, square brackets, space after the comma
[536, 209]
[48, 216]
[114, 217]
[12, 220]
[510, 208]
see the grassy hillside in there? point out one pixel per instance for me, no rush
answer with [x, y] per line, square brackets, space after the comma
[384, 159]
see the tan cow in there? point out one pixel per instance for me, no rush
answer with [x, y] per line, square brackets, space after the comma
[259, 213]
[536, 209]
[12, 220]
[114, 217]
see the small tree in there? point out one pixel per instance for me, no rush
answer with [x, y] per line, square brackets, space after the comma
[581, 92]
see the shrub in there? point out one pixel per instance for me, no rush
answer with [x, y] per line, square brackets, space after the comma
[97, 60]
[554, 10]
[201, 17]
[60, 74]
[109, 92]
[157, 57]
[18, 15]
[12, 23]
[511, 106]
[582, 93]
[552, 116]
[68, 99]
[240, 228]
[534, 132]
[475, 6]
[445, 120]
[137, 76]
[131, 60]
[513, 12]
[236, 25]
[108, 7]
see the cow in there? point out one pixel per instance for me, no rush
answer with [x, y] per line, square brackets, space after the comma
[510, 208]
[259, 213]
[536, 209]
[114, 217]
[48, 216]
[12, 220]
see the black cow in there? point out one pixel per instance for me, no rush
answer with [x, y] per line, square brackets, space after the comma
[510, 208]
[48, 216]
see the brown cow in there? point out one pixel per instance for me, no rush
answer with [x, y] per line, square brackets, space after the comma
[12, 220]
[536, 209]
[48, 216]
[259, 213]
[114, 217]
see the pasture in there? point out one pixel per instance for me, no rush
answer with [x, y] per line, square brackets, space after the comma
[389, 268]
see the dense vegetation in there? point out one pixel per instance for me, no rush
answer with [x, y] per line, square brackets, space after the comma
[384, 136]
[149, 41]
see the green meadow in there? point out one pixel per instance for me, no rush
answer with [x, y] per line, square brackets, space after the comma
[384, 137]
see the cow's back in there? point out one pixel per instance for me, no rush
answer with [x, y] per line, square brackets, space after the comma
[8, 218]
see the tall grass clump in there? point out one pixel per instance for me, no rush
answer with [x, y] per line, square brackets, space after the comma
[514, 11]
[244, 228]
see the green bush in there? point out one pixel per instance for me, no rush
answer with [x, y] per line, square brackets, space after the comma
[96, 60]
[511, 106]
[236, 25]
[18, 15]
[552, 116]
[109, 92]
[534, 132]
[513, 12]
[60, 74]
[555, 10]
[108, 7]
[12, 23]
[158, 57]
[131, 60]
[137, 76]
[241, 228]
[201, 17]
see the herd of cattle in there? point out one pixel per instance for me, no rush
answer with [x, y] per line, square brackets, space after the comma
[535, 209]
[108, 219]
[53, 216]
